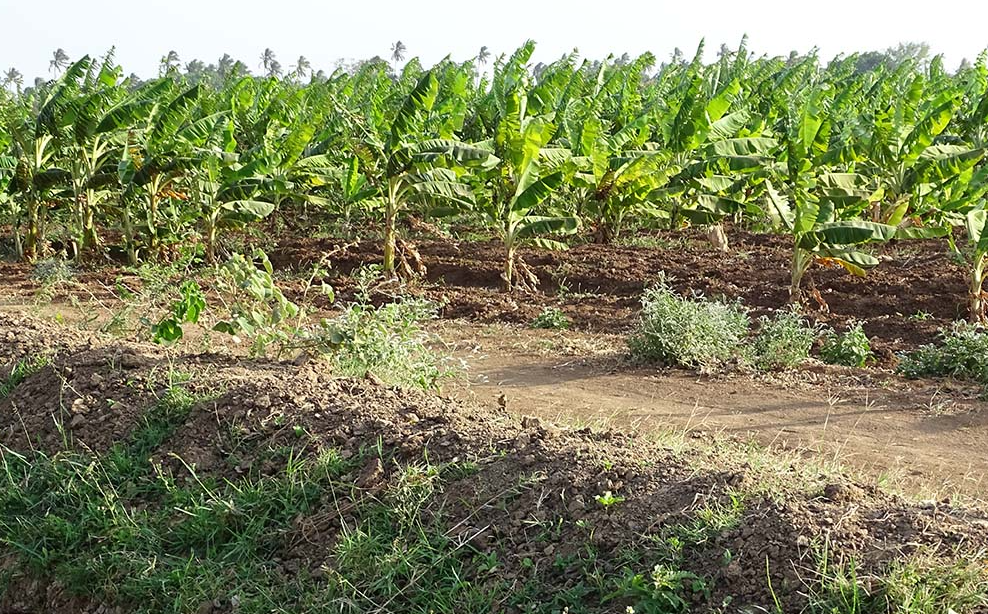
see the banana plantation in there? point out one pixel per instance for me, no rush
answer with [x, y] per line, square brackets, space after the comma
[587, 336]
[835, 158]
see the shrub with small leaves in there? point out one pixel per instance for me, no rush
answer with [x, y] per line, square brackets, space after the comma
[960, 353]
[783, 341]
[693, 332]
[551, 318]
[258, 308]
[388, 341]
[851, 348]
[52, 271]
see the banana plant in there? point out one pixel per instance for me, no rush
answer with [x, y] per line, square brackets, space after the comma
[724, 177]
[36, 154]
[354, 190]
[976, 224]
[293, 168]
[223, 188]
[99, 120]
[31, 172]
[820, 210]
[621, 186]
[963, 202]
[405, 165]
[899, 139]
[155, 160]
[617, 174]
[10, 212]
[527, 173]
[714, 147]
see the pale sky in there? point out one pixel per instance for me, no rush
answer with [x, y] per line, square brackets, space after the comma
[324, 31]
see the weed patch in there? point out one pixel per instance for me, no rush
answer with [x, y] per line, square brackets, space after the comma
[960, 353]
[851, 348]
[690, 332]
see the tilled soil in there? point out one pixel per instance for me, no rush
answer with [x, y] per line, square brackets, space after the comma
[902, 303]
[530, 473]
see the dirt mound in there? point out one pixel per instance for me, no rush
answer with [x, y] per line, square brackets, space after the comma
[22, 337]
[534, 497]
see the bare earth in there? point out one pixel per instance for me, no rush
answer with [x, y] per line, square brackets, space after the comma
[924, 438]
[921, 437]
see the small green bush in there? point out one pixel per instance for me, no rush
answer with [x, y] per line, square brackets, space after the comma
[52, 271]
[783, 341]
[851, 348]
[961, 353]
[551, 318]
[389, 342]
[692, 332]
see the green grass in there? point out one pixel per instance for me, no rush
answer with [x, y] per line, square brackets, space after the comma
[923, 583]
[124, 529]
[23, 369]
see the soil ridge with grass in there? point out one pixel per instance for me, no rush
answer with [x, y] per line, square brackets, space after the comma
[257, 486]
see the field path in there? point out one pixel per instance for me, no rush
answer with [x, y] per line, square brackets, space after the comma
[917, 436]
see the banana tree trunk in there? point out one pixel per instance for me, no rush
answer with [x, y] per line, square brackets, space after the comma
[153, 189]
[18, 244]
[89, 238]
[509, 268]
[801, 260]
[975, 294]
[604, 233]
[390, 231]
[129, 236]
[32, 237]
[210, 232]
[718, 237]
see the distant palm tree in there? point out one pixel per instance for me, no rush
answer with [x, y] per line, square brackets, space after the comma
[483, 56]
[170, 62]
[59, 61]
[302, 67]
[13, 77]
[398, 53]
[267, 59]
[274, 69]
[195, 69]
[224, 66]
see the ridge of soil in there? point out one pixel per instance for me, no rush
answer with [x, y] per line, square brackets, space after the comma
[257, 406]
[915, 291]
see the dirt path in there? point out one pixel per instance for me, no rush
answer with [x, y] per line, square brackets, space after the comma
[921, 437]
[917, 436]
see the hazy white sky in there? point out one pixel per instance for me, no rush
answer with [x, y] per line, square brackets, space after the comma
[323, 31]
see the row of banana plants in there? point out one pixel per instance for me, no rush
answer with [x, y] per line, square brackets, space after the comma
[833, 157]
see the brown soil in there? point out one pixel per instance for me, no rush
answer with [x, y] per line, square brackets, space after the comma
[923, 437]
[260, 403]
[599, 286]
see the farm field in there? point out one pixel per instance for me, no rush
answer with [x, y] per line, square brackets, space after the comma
[552, 408]
[496, 336]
